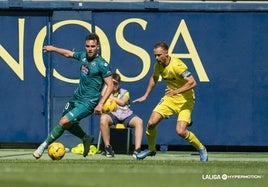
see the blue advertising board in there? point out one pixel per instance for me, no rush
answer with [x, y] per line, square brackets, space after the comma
[225, 51]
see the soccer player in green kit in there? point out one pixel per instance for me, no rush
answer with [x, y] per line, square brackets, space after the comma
[87, 99]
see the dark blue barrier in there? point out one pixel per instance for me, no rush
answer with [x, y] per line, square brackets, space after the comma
[225, 51]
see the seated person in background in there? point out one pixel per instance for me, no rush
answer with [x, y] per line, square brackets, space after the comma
[122, 114]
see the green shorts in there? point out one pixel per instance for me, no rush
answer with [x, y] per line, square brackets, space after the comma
[76, 111]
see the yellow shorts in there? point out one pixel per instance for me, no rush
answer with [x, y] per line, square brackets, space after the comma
[173, 105]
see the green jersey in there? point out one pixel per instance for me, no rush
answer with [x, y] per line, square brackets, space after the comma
[92, 74]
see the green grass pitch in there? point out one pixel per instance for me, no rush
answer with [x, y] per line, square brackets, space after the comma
[168, 169]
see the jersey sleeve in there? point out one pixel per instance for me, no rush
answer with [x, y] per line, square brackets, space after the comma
[181, 68]
[105, 69]
[77, 55]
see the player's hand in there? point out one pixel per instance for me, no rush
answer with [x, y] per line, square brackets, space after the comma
[48, 48]
[170, 92]
[141, 99]
[98, 109]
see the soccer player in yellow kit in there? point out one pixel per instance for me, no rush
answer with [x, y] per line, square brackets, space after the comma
[178, 99]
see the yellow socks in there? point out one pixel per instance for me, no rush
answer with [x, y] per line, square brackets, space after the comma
[151, 138]
[192, 139]
[152, 133]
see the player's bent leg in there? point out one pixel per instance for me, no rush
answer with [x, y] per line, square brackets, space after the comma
[87, 141]
[71, 119]
[193, 140]
[151, 134]
[190, 137]
[151, 138]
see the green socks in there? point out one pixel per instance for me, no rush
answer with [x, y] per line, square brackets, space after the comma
[76, 130]
[58, 130]
[55, 134]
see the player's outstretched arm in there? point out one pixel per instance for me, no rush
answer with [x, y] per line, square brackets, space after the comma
[152, 82]
[141, 99]
[64, 52]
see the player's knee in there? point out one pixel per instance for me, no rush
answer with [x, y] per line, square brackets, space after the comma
[151, 126]
[181, 132]
[64, 121]
[151, 123]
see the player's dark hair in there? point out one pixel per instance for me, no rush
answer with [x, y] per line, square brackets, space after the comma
[93, 36]
[161, 44]
[116, 77]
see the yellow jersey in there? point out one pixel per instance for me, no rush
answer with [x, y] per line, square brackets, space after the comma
[172, 75]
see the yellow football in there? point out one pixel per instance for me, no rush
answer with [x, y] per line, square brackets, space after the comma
[56, 151]
[109, 106]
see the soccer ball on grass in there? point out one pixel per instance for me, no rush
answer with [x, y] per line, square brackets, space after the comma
[56, 151]
[109, 106]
